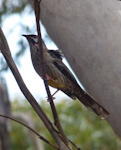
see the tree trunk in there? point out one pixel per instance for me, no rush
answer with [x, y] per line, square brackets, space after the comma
[4, 123]
[88, 32]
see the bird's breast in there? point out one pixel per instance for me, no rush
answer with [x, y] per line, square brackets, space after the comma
[56, 83]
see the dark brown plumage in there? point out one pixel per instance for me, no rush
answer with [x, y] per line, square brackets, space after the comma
[60, 77]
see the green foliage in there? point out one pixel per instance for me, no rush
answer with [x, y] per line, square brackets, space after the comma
[81, 126]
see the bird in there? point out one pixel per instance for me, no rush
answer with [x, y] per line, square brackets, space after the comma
[60, 77]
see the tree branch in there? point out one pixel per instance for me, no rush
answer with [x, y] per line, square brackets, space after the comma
[55, 115]
[37, 16]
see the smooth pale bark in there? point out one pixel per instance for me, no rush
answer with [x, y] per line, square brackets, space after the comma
[89, 34]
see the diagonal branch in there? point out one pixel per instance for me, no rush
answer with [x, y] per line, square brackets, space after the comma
[55, 115]
[75, 145]
[7, 55]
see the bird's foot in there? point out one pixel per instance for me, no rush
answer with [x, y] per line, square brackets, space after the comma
[53, 95]
[52, 99]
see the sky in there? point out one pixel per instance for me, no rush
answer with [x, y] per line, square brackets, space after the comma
[30, 77]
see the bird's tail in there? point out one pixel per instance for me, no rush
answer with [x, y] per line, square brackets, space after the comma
[90, 103]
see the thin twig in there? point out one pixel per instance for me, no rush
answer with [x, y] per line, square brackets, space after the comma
[75, 145]
[42, 138]
[57, 124]
[56, 119]
[37, 15]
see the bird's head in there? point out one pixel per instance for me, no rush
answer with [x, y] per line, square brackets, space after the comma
[32, 39]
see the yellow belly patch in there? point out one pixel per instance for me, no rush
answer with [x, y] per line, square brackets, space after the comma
[56, 84]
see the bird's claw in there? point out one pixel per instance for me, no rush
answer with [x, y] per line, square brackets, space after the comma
[49, 100]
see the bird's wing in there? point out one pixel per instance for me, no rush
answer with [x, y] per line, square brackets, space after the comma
[62, 67]
[57, 61]
[85, 98]
[57, 54]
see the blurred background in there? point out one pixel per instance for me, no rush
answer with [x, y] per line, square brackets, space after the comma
[82, 127]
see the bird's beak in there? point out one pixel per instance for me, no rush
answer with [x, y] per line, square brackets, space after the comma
[24, 35]
[27, 37]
